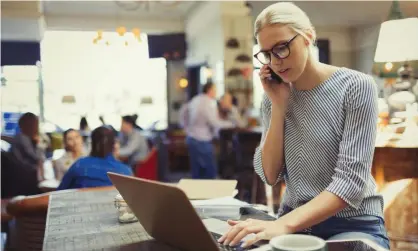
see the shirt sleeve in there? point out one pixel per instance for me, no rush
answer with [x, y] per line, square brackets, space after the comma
[131, 146]
[236, 117]
[25, 151]
[265, 121]
[142, 147]
[214, 119]
[358, 143]
[183, 115]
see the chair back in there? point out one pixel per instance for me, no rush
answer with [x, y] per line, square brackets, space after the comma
[226, 153]
[401, 210]
[245, 143]
[148, 168]
[7, 139]
[28, 226]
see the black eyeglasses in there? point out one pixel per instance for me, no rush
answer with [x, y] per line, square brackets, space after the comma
[281, 51]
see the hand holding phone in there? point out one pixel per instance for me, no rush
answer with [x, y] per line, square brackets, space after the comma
[276, 78]
[276, 89]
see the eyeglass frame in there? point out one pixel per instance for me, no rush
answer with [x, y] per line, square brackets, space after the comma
[286, 44]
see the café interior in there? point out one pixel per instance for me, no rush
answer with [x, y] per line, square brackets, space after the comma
[86, 64]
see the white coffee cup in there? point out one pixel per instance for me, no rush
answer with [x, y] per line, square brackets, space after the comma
[297, 242]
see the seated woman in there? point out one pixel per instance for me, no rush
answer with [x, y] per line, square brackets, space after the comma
[133, 146]
[73, 145]
[92, 171]
[27, 157]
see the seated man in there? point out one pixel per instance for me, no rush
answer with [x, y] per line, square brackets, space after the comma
[133, 146]
[228, 111]
[92, 171]
[74, 149]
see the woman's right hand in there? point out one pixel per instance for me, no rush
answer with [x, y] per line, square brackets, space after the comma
[37, 139]
[116, 148]
[278, 93]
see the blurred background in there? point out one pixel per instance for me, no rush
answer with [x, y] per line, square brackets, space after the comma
[101, 60]
[80, 58]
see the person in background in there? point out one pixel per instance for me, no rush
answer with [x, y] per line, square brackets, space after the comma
[228, 111]
[74, 149]
[27, 156]
[84, 126]
[25, 144]
[44, 143]
[133, 146]
[101, 118]
[320, 126]
[201, 122]
[92, 171]
[85, 132]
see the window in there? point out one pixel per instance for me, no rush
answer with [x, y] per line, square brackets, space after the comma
[108, 80]
[20, 90]
[257, 86]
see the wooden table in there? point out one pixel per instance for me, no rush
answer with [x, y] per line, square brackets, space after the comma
[88, 221]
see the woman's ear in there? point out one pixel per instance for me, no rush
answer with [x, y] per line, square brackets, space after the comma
[309, 35]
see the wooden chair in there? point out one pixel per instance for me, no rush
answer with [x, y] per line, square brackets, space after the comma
[30, 213]
[245, 143]
[148, 168]
[226, 160]
[394, 163]
[396, 172]
[178, 154]
[401, 213]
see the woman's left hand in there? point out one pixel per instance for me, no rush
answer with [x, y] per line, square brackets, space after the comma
[263, 230]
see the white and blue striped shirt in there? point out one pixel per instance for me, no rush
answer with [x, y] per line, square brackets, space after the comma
[329, 141]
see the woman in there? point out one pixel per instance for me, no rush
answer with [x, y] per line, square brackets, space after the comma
[25, 143]
[319, 137]
[92, 171]
[73, 144]
[133, 145]
[27, 157]
[84, 126]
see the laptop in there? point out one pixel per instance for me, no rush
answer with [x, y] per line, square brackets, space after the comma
[167, 215]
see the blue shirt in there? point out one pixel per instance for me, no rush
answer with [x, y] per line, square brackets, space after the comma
[92, 172]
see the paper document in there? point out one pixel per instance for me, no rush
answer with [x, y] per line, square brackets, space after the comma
[223, 201]
[225, 208]
[207, 189]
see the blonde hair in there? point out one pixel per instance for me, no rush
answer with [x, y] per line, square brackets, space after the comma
[289, 14]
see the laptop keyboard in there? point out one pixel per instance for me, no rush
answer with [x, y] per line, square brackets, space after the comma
[227, 247]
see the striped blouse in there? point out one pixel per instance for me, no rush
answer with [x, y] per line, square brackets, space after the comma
[329, 142]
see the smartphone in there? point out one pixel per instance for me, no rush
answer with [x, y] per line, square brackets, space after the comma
[275, 77]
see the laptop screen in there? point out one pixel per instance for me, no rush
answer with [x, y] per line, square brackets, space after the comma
[349, 246]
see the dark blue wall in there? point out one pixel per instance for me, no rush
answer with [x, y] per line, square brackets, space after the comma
[20, 53]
